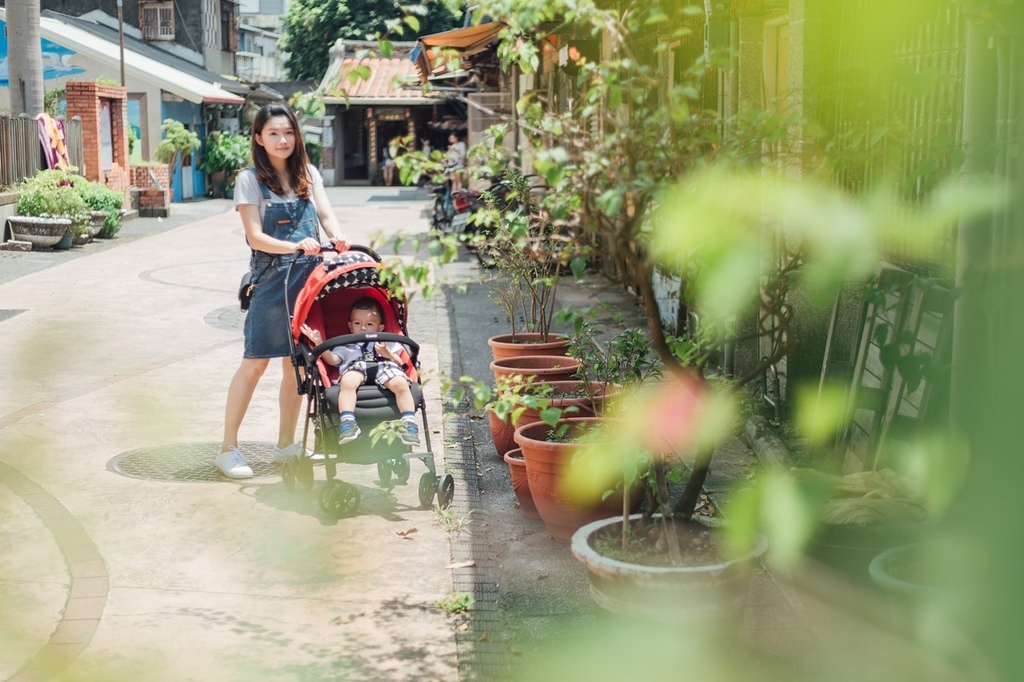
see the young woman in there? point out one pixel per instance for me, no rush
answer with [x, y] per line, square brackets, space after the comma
[281, 202]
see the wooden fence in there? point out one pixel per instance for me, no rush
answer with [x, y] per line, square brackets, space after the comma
[21, 151]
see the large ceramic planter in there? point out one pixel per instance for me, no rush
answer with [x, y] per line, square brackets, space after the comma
[849, 548]
[563, 396]
[708, 598]
[98, 217]
[544, 368]
[526, 343]
[894, 571]
[521, 483]
[42, 232]
[548, 463]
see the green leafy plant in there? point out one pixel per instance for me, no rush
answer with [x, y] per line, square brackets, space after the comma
[52, 194]
[531, 243]
[451, 521]
[177, 141]
[456, 602]
[225, 153]
[99, 197]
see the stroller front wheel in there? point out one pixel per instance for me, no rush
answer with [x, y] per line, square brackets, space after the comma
[342, 501]
[445, 490]
[428, 486]
[288, 474]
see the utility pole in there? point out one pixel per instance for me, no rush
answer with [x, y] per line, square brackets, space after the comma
[120, 37]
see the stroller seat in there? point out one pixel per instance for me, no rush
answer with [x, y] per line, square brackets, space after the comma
[373, 403]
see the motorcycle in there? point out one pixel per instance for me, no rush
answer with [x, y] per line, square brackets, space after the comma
[452, 211]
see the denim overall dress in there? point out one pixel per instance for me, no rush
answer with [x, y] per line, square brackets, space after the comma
[267, 327]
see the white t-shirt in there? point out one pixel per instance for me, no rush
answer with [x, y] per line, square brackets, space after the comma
[247, 190]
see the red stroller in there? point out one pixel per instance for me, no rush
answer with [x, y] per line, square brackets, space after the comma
[324, 303]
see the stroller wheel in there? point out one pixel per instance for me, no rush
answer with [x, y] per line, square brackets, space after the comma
[304, 472]
[384, 472]
[343, 501]
[428, 486]
[288, 474]
[325, 494]
[401, 468]
[445, 490]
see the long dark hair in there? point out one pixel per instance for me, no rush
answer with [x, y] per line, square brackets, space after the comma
[298, 162]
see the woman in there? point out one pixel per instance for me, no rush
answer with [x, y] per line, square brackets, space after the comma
[281, 202]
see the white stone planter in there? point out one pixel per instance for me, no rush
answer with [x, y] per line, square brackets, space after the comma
[42, 232]
[711, 597]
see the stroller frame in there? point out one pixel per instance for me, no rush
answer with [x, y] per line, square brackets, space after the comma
[325, 299]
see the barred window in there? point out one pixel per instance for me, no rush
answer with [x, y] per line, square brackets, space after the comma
[157, 20]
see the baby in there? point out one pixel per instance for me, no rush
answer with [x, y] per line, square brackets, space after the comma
[353, 360]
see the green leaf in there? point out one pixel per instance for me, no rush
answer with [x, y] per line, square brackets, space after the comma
[880, 334]
[551, 415]
[578, 266]
[412, 22]
[889, 355]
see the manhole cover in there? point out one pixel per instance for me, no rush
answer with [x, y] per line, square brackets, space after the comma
[8, 314]
[229, 318]
[189, 462]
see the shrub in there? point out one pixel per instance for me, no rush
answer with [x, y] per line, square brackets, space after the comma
[52, 193]
[99, 197]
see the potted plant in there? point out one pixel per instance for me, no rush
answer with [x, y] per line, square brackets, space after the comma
[105, 206]
[224, 156]
[178, 141]
[534, 242]
[559, 453]
[521, 483]
[50, 210]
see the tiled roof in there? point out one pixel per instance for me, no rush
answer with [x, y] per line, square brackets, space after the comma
[384, 84]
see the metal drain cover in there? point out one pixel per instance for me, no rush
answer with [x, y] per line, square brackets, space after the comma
[189, 462]
[229, 318]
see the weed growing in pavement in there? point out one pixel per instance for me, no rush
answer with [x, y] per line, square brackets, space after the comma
[456, 602]
[452, 522]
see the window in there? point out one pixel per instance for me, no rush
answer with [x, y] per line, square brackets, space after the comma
[157, 20]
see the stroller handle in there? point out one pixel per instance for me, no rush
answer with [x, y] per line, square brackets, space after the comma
[414, 348]
[328, 246]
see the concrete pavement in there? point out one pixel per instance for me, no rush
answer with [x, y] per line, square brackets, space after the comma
[124, 354]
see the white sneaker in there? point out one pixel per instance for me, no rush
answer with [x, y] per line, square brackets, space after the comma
[232, 463]
[293, 450]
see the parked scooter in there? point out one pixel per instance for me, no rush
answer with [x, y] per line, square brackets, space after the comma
[451, 211]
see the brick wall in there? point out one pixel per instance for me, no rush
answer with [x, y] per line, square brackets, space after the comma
[85, 100]
[154, 198]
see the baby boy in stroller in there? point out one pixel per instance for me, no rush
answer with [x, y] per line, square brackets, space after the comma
[358, 363]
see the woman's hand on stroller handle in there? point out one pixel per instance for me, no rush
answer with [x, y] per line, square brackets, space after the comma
[310, 245]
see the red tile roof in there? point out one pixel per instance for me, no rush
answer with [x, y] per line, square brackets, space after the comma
[383, 84]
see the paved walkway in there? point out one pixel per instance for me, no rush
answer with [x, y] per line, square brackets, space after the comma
[129, 350]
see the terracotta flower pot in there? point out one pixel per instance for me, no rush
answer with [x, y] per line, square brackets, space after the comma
[547, 465]
[526, 343]
[537, 367]
[521, 483]
[563, 396]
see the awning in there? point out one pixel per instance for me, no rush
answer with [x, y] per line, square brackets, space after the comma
[468, 41]
[172, 80]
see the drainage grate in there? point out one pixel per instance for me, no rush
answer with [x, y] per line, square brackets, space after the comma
[9, 313]
[189, 462]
